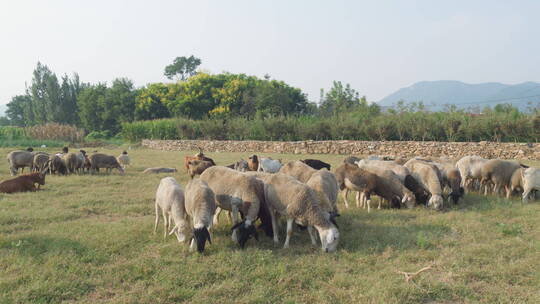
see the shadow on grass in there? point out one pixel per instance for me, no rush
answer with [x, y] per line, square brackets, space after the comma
[38, 247]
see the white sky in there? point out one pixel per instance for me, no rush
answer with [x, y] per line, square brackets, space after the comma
[376, 46]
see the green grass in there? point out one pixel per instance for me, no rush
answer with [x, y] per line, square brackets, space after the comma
[88, 239]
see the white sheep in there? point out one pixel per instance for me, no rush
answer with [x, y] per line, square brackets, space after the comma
[200, 207]
[124, 159]
[296, 201]
[430, 178]
[398, 169]
[269, 165]
[298, 170]
[326, 186]
[170, 200]
[158, 170]
[470, 170]
[531, 181]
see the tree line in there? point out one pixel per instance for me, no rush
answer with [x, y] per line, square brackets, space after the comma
[238, 106]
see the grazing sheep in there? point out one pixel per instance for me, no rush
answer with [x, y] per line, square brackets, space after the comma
[241, 165]
[197, 167]
[57, 165]
[19, 159]
[531, 181]
[198, 156]
[157, 170]
[326, 186]
[109, 162]
[420, 193]
[22, 183]
[170, 200]
[269, 165]
[390, 187]
[351, 177]
[470, 170]
[499, 173]
[72, 162]
[351, 160]
[451, 178]
[200, 207]
[429, 177]
[399, 170]
[298, 202]
[316, 164]
[238, 193]
[516, 182]
[253, 163]
[124, 160]
[298, 170]
[40, 162]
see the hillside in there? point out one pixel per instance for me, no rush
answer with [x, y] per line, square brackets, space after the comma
[437, 94]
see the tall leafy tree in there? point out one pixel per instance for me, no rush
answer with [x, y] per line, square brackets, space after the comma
[182, 67]
[19, 111]
[339, 99]
[91, 105]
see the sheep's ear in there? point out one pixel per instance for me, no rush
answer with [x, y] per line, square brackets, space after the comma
[461, 191]
[333, 220]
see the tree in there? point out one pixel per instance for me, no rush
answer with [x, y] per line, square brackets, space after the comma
[182, 67]
[19, 110]
[339, 99]
[91, 104]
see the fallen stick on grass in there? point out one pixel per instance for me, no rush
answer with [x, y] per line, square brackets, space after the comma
[410, 275]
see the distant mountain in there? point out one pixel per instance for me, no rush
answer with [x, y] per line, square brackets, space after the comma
[437, 94]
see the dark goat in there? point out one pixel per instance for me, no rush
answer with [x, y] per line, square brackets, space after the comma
[316, 164]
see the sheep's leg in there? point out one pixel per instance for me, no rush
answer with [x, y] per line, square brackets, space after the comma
[273, 216]
[367, 198]
[344, 193]
[508, 192]
[157, 218]
[234, 212]
[216, 215]
[289, 232]
[357, 199]
[192, 246]
[165, 223]
[525, 197]
[312, 235]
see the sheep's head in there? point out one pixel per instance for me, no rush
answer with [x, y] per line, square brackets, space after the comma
[120, 169]
[329, 238]
[409, 200]
[456, 195]
[436, 202]
[201, 235]
[180, 232]
[245, 231]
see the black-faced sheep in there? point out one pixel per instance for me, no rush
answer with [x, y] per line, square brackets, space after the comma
[240, 194]
[200, 207]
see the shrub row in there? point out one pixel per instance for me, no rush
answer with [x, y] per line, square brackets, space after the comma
[416, 126]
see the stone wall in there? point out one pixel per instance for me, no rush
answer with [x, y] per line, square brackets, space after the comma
[349, 147]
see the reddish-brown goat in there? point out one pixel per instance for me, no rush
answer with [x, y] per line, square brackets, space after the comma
[22, 183]
[199, 156]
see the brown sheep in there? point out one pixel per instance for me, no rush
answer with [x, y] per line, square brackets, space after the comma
[253, 163]
[198, 156]
[22, 183]
[350, 177]
[499, 173]
[197, 167]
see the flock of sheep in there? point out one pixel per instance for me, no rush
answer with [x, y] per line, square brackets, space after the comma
[304, 193]
[61, 163]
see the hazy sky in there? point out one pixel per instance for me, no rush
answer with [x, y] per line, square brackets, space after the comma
[376, 46]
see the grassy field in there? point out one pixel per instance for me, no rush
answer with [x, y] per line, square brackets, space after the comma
[88, 239]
